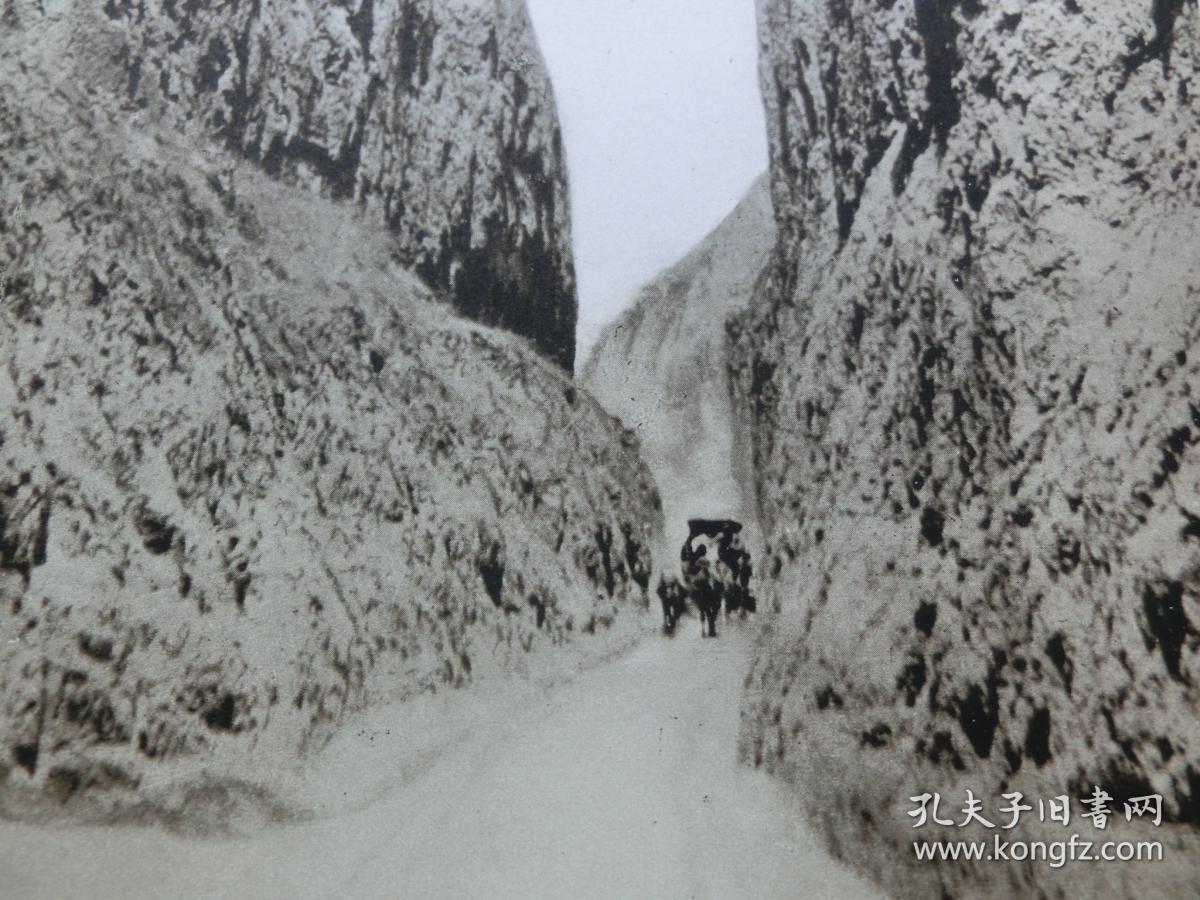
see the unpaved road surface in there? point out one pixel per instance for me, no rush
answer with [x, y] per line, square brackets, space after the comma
[621, 784]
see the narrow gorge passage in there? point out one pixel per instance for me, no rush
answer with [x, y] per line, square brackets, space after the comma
[622, 783]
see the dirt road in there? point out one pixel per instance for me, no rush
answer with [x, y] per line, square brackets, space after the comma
[620, 784]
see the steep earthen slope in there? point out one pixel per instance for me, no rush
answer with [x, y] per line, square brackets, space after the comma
[975, 381]
[435, 116]
[254, 478]
[662, 368]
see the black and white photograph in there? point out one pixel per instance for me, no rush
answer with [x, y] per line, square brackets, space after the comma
[666, 449]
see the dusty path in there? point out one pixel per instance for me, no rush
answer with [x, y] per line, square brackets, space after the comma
[622, 784]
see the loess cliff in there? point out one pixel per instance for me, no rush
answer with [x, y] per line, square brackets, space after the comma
[255, 476]
[973, 374]
[436, 117]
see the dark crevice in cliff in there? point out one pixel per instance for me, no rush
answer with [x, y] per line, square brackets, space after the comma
[213, 64]
[1164, 13]
[938, 29]
[241, 99]
[1169, 625]
[338, 171]
[416, 47]
[512, 281]
[362, 25]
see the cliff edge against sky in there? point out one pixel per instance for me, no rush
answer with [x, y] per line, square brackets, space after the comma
[974, 380]
[255, 476]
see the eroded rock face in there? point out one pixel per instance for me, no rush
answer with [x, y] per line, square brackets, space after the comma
[253, 476]
[662, 369]
[975, 382]
[436, 116]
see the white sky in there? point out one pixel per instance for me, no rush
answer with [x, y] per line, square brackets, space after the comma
[663, 122]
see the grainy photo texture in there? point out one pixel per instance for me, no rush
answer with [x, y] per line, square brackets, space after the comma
[551, 448]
